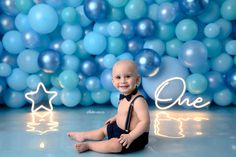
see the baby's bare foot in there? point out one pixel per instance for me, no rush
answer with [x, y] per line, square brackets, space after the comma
[81, 147]
[78, 136]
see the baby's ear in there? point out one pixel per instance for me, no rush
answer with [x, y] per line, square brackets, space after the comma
[138, 80]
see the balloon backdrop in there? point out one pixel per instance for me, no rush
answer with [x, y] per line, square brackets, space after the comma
[72, 45]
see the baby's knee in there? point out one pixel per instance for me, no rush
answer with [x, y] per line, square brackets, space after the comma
[116, 147]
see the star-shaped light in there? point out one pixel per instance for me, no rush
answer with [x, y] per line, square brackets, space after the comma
[35, 108]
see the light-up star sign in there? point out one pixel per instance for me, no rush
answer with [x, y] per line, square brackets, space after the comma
[40, 98]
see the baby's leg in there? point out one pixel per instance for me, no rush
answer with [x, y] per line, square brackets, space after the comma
[98, 134]
[107, 146]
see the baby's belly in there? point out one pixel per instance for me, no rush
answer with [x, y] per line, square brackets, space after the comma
[120, 121]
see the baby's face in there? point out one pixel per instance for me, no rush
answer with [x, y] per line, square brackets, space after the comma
[124, 77]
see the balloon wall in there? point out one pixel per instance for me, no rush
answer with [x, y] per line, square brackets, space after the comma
[71, 46]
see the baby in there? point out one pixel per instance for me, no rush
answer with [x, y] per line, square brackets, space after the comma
[128, 130]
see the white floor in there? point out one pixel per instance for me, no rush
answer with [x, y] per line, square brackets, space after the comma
[174, 133]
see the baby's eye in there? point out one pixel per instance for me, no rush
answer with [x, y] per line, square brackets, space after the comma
[117, 77]
[128, 76]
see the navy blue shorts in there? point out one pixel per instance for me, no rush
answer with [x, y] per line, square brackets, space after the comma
[113, 131]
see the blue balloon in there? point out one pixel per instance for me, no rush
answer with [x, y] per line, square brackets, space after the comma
[106, 80]
[88, 67]
[114, 98]
[148, 62]
[96, 10]
[167, 71]
[8, 59]
[33, 81]
[71, 62]
[8, 7]
[14, 99]
[135, 44]
[22, 22]
[5, 69]
[6, 23]
[31, 39]
[71, 32]
[43, 18]
[49, 61]
[166, 12]
[100, 96]
[86, 99]
[128, 28]
[92, 83]
[193, 54]
[223, 97]
[193, 7]
[215, 81]
[231, 79]
[145, 27]
[70, 98]
[17, 80]
[68, 79]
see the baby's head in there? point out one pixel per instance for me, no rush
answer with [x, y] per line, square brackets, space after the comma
[125, 76]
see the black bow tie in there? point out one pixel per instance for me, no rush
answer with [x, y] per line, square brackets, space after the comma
[128, 97]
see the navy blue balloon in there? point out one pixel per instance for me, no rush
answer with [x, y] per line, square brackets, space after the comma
[128, 28]
[148, 62]
[88, 67]
[193, 7]
[8, 58]
[145, 28]
[135, 44]
[96, 10]
[231, 79]
[6, 23]
[49, 61]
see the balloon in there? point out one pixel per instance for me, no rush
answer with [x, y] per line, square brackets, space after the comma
[166, 71]
[6, 23]
[27, 61]
[9, 59]
[186, 30]
[173, 47]
[231, 79]
[211, 30]
[227, 11]
[92, 83]
[215, 81]
[114, 98]
[222, 63]
[230, 47]
[88, 67]
[165, 31]
[33, 81]
[145, 28]
[69, 15]
[116, 46]
[17, 80]
[71, 32]
[95, 43]
[196, 83]
[13, 42]
[135, 9]
[5, 69]
[109, 60]
[214, 47]
[100, 96]
[135, 44]
[223, 97]
[211, 14]
[8, 7]
[24, 5]
[193, 7]
[193, 54]
[49, 61]
[68, 79]
[68, 47]
[128, 28]
[148, 62]
[114, 29]
[43, 18]
[56, 100]
[166, 12]
[70, 98]
[96, 10]
[106, 80]
[156, 45]
[31, 39]
[71, 62]
[14, 99]
[86, 99]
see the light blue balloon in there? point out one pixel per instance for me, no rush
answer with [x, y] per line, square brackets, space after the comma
[106, 80]
[95, 43]
[17, 80]
[27, 61]
[86, 99]
[14, 99]
[227, 11]
[101, 27]
[70, 98]
[68, 79]
[225, 27]
[22, 22]
[203, 68]
[5, 70]
[214, 47]
[13, 42]
[186, 30]
[43, 18]
[8, 7]
[196, 83]
[57, 4]
[71, 62]
[193, 54]
[125, 56]
[71, 32]
[136, 9]
[153, 11]
[73, 3]
[31, 39]
[116, 14]
[173, 47]
[165, 31]
[117, 3]
[81, 52]
[84, 20]
[33, 81]
[114, 29]
[6, 23]
[128, 28]
[114, 98]
[109, 60]
[116, 46]
[234, 60]
[156, 45]
[211, 30]
[223, 97]
[69, 15]
[45, 78]
[24, 5]
[92, 83]
[68, 47]
[222, 63]
[166, 71]
[230, 47]
[100, 96]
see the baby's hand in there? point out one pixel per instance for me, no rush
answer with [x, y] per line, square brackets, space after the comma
[125, 140]
[109, 121]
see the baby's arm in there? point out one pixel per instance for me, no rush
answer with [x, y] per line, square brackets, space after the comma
[141, 109]
[111, 120]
